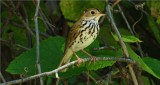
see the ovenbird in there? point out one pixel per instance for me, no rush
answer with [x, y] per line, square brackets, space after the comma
[82, 34]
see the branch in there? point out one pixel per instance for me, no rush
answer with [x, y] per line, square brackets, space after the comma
[37, 41]
[26, 26]
[66, 66]
[1, 76]
[125, 51]
[105, 79]
[129, 27]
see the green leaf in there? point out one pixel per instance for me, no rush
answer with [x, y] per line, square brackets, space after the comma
[72, 9]
[100, 53]
[104, 53]
[50, 54]
[99, 64]
[153, 28]
[109, 52]
[146, 81]
[144, 64]
[93, 45]
[151, 24]
[153, 64]
[19, 34]
[130, 39]
[74, 70]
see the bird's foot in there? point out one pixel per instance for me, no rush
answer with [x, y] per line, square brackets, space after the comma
[79, 61]
[92, 58]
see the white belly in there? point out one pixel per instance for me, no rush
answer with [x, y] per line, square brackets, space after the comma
[88, 34]
[84, 42]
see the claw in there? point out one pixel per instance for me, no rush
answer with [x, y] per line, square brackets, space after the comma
[79, 61]
[92, 57]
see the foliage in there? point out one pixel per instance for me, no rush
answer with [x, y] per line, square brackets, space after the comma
[25, 63]
[19, 51]
[49, 52]
[129, 39]
[75, 8]
[145, 64]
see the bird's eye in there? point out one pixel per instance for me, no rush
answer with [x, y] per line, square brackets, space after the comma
[92, 12]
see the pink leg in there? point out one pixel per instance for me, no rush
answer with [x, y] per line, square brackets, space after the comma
[79, 59]
[92, 57]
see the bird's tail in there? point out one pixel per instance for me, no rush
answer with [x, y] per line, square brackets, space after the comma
[66, 58]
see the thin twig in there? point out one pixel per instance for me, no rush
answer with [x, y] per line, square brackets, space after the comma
[46, 22]
[66, 66]
[28, 35]
[4, 3]
[146, 13]
[105, 79]
[129, 27]
[105, 47]
[21, 46]
[91, 76]
[125, 51]
[115, 3]
[20, 17]
[1, 76]
[37, 41]
[41, 33]
[27, 26]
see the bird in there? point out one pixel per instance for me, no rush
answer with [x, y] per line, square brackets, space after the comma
[81, 35]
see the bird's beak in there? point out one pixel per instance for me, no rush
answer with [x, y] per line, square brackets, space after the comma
[101, 14]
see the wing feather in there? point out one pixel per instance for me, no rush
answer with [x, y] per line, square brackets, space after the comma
[73, 33]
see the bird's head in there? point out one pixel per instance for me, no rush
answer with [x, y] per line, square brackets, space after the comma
[92, 14]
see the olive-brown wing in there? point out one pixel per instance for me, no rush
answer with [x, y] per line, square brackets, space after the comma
[73, 34]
